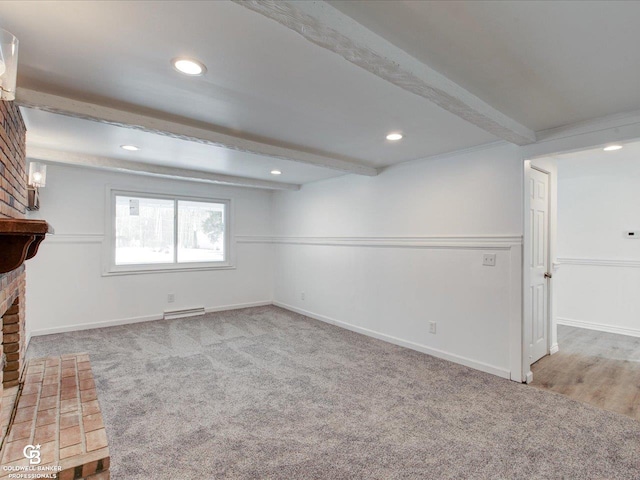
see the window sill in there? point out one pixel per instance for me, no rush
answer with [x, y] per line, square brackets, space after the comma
[147, 271]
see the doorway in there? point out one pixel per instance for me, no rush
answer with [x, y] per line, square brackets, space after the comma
[539, 334]
[588, 301]
[539, 275]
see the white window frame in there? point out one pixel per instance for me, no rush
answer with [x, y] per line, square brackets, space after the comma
[110, 267]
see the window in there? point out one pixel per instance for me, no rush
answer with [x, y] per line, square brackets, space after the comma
[159, 232]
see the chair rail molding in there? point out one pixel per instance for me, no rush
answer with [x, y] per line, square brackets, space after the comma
[494, 242]
[597, 262]
[66, 238]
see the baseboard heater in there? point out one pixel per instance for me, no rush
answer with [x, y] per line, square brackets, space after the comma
[187, 312]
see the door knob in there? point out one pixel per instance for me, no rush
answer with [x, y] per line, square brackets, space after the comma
[547, 275]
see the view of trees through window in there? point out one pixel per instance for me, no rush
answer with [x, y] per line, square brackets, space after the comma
[200, 232]
[146, 231]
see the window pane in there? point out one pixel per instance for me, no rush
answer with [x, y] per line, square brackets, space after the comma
[144, 230]
[201, 232]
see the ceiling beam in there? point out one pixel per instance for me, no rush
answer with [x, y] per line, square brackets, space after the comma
[129, 119]
[327, 27]
[115, 164]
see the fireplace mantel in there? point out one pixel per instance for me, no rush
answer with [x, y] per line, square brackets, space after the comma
[19, 241]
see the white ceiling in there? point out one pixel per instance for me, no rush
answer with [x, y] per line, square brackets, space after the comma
[597, 163]
[544, 64]
[57, 132]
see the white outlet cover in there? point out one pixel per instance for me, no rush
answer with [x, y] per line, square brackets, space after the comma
[489, 259]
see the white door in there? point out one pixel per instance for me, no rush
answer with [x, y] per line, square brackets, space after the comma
[539, 275]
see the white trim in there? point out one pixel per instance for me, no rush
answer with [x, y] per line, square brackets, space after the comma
[601, 327]
[515, 312]
[450, 154]
[490, 242]
[528, 377]
[584, 136]
[501, 372]
[239, 306]
[162, 126]
[109, 265]
[554, 349]
[590, 126]
[525, 337]
[451, 241]
[605, 125]
[27, 339]
[145, 318]
[598, 262]
[328, 28]
[527, 321]
[117, 273]
[74, 238]
[91, 326]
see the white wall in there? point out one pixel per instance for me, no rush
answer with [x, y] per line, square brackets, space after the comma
[66, 288]
[409, 251]
[599, 275]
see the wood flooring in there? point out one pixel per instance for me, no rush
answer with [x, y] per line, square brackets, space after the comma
[602, 369]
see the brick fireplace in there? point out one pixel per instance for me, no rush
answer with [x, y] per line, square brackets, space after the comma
[13, 202]
[51, 403]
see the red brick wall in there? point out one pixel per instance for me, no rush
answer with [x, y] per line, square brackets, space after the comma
[13, 201]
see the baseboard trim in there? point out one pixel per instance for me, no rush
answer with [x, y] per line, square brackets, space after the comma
[554, 349]
[27, 340]
[238, 306]
[483, 367]
[145, 318]
[601, 327]
[529, 377]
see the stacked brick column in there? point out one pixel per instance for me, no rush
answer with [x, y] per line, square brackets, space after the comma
[13, 201]
[13, 343]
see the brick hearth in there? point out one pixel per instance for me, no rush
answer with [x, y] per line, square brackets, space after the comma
[58, 409]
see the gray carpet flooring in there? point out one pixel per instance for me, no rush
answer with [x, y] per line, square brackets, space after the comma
[264, 393]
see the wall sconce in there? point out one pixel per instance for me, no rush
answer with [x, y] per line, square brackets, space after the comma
[8, 65]
[37, 180]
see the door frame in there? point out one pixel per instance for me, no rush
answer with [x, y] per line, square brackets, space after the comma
[552, 345]
[576, 138]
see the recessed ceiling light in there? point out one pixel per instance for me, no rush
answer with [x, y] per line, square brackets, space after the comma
[276, 172]
[189, 66]
[131, 148]
[612, 148]
[394, 136]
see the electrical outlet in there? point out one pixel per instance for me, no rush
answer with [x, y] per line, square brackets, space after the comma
[432, 327]
[171, 297]
[489, 259]
[302, 295]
